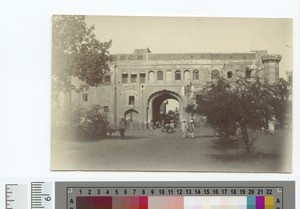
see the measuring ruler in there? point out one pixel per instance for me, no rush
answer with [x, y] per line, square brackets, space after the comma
[17, 196]
[41, 193]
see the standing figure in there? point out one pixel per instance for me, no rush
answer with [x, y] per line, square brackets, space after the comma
[172, 126]
[122, 128]
[192, 128]
[151, 127]
[184, 129]
[157, 125]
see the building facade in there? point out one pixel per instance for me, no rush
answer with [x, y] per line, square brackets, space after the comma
[137, 84]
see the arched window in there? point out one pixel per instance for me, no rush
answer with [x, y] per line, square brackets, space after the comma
[187, 76]
[196, 75]
[169, 76]
[151, 76]
[229, 74]
[215, 74]
[203, 74]
[177, 75]
[160, 75]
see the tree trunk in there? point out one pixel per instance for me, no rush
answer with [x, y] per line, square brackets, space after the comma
[246, 138]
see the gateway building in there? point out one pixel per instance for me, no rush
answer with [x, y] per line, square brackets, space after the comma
[138, 84]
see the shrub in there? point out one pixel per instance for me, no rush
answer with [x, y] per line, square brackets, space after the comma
[90, 122]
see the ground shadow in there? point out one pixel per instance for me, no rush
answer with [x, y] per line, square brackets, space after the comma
[244, 157]
[205, 136]
[125, 138]
[230, 144]
[77, 138]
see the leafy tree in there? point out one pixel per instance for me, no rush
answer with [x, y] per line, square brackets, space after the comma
[235, 105]
[282, 101]
[90, 122]
[76, 52]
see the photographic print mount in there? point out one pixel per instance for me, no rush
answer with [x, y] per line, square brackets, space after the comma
[206, 101]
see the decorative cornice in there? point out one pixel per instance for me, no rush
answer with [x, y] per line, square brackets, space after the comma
[271, 57]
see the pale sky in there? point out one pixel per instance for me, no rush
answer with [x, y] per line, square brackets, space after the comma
[196, 35]
[172, 104]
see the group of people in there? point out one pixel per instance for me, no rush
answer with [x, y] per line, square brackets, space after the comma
[165, 127]
[186, 129]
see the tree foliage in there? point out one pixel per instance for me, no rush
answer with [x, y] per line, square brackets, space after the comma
[90, 122]
[76, 52]
[232, 105]
[282, 100]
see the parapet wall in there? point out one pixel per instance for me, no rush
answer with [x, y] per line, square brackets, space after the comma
[271, 57]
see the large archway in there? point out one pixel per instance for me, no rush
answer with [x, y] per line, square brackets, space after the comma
[159, 107]
[156, 101]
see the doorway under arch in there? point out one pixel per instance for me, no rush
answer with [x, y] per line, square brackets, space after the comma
[131, 119]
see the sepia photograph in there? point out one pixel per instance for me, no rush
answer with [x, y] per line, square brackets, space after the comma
[192, 94]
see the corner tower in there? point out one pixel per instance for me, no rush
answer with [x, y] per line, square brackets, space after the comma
[271, 67]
